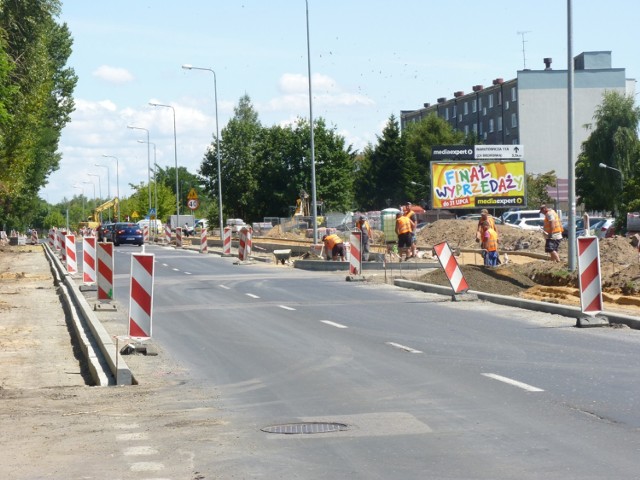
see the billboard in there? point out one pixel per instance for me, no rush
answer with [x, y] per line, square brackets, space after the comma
[499, 184]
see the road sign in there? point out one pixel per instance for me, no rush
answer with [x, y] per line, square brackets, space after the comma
[193, 195]
[152, 213]
[506, 152]
[193, 203]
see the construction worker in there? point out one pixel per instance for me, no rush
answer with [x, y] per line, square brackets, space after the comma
[363, 225]
[552, 232]
[404, 228]
[410, 214]
[333, 244]
[485, 216]
[489, 244]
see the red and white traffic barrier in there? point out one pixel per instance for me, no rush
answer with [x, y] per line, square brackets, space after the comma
[589, 275]
[141, 295]
[89, 260]
[355, 259]
[179, 237]
[244, 241]
[167, 234]
[52, 238]
[204, 247]
[70, 255]
[451, 268]
[105, 270]
[61, 238]
[145, 234]
[226, 241]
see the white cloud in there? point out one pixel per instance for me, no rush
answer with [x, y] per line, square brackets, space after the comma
[115, 75]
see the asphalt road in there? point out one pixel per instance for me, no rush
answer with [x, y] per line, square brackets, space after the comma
[426, 388]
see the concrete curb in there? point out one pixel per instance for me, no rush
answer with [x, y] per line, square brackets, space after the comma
[555, 309]
[107, 349]
[329, 266]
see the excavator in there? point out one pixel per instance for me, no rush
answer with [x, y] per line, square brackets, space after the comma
[95, 221]
[303, 210]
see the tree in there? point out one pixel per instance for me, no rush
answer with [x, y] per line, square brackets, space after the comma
[537, 193]
[614, 142]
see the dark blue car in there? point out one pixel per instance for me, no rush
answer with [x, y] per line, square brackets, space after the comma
[127, 233]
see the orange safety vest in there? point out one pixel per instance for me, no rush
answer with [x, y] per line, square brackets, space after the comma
[403, 225]
[492, 224]
[491, 245]
[554, 226]
[331, 241]
[364, 226]
[411, 215]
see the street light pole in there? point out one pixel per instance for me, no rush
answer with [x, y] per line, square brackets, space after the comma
[175, 151]
[605, 166]
[108, 184]
[117, 182]
[81, 188]
[155, 184]
[95, 204]
[215, 93]
[148, 160]
[99, 189]
[313, 152]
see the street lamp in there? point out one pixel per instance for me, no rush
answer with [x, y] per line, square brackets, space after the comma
[313, 152]
[95, 204]
[215, 93]
[175, 152]
[148, 159]
[117, 181]
[604, 165]
[108, 184]
[99, 189]
[155, 181]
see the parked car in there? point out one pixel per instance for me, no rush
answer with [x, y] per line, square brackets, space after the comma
[603, 228]
[514, 216]
[580, 226]
[104, 232]
[127, 232]
[528, 224]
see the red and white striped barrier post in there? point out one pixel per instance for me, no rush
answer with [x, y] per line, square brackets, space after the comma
[589, 275]
[63, 252]
[355, 259]
[52, 238]
[179, 237]
[141, 295]
[226, 241]
[145, 234]
[105, 270]
[70, 255]
[244, 244]
[89, 260]
[167, 234]
[451, 268]
[204, 247]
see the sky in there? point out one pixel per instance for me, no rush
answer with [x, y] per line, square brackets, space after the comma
[370, 59]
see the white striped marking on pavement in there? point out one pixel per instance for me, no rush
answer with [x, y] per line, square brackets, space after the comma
[333, 324]
[515, 383]
[251, 295]
[165, 265]
[141, 450]
[286, 308]
[225, 287]
[187, 273]
[403, 347]
[175, 269]
[132, 436]
[146, 467]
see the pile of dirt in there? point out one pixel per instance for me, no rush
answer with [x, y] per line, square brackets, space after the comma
[278, 232]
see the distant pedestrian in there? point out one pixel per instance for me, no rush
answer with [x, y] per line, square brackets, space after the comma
[411, 215]
[363, 225]
[552, 232]
[489, 245]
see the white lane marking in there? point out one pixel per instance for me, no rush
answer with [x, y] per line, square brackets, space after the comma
[225, 287]
[165, 265]
[175, 269]
[132, 436]
[515, 383]
[126, 426]
[146, 467]
[403, 347]
[286, 308]
[187, 273]
[141, 450]
[251, 295]
[334, 324]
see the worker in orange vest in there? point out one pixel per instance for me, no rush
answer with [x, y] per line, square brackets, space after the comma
[333, 244]
[552, 232]
[363, 225]
[408, 212]
[489, 245]
[404, 228]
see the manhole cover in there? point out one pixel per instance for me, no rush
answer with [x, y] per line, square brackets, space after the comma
[306, 427]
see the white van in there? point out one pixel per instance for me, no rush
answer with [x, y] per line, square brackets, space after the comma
[512, 217]
[150, 223]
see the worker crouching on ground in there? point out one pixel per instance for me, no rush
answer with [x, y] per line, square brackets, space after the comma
[365, 228]
[489, 244]
[334, 245]
[552, 232]
[404, 229]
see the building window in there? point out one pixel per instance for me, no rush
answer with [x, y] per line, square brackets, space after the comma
[514, 120]
[466, 129]
[514, 141]
[484, 136]
[474, 106]
[513, 94]
[480, 126]
[490, 100]
[499, 124]
[446, 113]
[466, 108]
[506, 105]
[484, 112]
[460, 118]
[479, 103]
[474, 128]
[491, 125]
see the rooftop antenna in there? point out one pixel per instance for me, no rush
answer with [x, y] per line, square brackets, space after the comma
[524, 57]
